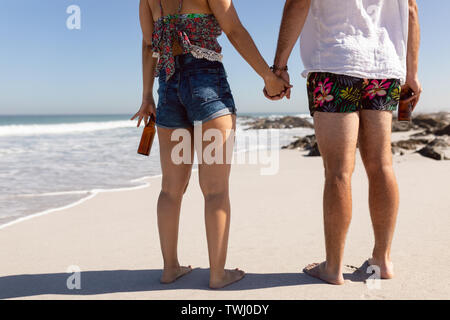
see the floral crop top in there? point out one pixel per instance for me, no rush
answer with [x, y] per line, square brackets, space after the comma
[196, 33]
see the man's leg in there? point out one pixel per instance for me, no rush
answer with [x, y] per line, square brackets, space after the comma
[375, 148]
[337, 136]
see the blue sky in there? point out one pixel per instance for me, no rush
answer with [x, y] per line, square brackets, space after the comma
[46, 68]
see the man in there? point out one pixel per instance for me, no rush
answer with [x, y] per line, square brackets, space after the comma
[356, 55]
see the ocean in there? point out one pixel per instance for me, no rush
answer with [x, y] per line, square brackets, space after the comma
[53, 161]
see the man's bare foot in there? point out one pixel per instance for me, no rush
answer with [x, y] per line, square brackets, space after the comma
[318, 270]
[172, 274]
[386, 267]
[229, 277]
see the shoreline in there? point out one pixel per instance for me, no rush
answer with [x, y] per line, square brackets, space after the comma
[90, 194]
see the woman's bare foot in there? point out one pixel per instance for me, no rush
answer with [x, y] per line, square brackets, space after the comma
[172, 274]
[229, 277]
[386, 267]
[318, 270]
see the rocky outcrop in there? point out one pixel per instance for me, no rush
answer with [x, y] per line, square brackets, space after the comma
[437, 148]
[429, 123]
[433, 141]
[432, 121]
[281, 123]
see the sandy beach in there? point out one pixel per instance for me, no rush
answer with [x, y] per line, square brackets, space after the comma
[276, 230]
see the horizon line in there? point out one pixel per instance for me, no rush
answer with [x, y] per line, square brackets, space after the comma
[123, 114]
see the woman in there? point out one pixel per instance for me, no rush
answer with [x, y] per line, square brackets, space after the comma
[193, 88]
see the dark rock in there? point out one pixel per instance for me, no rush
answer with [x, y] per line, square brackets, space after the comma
[281, 123]
[302, 143]
[314, 151]
[433, 153]
[306, 143]
[437, 149]
[443, 131]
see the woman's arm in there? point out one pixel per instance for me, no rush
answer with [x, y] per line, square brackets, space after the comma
[148, 63]
[228, 19]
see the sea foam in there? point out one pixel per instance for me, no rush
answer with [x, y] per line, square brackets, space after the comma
[61, 128]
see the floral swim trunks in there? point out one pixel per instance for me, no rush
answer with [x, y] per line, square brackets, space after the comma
[330, 92]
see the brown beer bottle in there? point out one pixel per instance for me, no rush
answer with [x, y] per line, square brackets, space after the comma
[405, 107]
[147, 137]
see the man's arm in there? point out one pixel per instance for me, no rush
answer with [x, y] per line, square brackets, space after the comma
[412, 60]
[294, 17]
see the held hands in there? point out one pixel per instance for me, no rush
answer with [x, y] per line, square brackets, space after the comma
[277, 85]
[147, 109]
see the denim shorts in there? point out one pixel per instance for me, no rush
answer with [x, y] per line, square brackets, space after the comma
[329, 92]
[196, 93]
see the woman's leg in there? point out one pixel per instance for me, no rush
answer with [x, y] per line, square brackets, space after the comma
[214, 178]
[175, 178]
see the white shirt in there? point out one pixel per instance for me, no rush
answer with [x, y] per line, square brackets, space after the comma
[361, 38]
